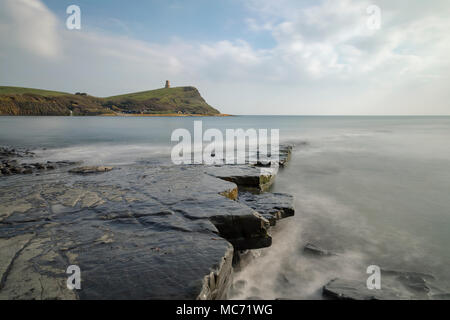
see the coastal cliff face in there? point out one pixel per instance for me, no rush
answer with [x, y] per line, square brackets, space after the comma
[33, 102]
[142, 231]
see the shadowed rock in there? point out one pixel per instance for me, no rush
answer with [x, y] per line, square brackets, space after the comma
[272, 206]
[357, 290]
[283, 157]
[257, 177]
[314, 250]
[246, 177]
[147, 232]
[394, 285]
[13, 167]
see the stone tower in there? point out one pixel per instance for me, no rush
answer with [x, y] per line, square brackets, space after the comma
[167, 84]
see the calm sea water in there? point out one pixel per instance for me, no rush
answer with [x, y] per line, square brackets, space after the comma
[375, 190]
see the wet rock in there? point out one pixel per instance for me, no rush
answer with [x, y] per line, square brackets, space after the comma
[341, 289]
[8, 152]
[131, 238]
[312, 249]
[284, 155]
[253, 298]
[407, 274]
[259, 176]
[246, 177]
[16, 170]
[441, 296]
[10, 166]
[416, 282]
[90, 169]
[275, 205]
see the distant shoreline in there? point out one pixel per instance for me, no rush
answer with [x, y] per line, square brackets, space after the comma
[125, 115]
[164, 102]
[166, 115]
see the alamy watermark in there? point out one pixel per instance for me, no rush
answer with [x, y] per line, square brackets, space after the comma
[73, 21]
[374, 19]
[237, 146]
[374, 280]
[74, 280]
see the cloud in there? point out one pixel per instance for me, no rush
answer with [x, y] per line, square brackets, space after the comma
[332, 39]
[29, 25]
[325, 60]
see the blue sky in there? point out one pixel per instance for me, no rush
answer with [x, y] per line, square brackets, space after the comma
[246, 57]
[160, 20]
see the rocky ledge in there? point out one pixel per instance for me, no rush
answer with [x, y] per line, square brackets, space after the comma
[10, 164]
[396, 285]
[142, 231]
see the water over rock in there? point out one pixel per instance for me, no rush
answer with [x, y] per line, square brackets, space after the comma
[146, 232]
[272, 206]
[343, 289]
[90, 169]
[395, 285]
[314, 250]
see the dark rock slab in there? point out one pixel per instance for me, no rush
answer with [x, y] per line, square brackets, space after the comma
[273, 205]
[13, 167]
[146, 232]
[246, 177]
[441, 296]
[259, 176]
[418, 283]
[395, 284]
[10, 152]
[314, 250]
[283, 157]
[342, 289]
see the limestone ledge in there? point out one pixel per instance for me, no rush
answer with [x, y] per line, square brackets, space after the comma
[136, 232]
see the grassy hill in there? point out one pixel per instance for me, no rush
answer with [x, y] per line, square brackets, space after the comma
[27, 101]
[19, 90]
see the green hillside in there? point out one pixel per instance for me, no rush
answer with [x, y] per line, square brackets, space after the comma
[26, 101]
[158, 93]
[20, 90]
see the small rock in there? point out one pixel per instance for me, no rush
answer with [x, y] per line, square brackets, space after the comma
[17, 170]
[341, 289]
[312, 249]
[441, 296]
[90, 169]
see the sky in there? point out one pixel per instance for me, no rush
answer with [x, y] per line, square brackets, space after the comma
[312, 57]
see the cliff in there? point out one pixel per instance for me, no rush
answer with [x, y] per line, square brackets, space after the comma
[18, 101]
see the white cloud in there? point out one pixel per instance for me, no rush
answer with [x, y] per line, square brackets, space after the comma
[325, 59]
[28, 24]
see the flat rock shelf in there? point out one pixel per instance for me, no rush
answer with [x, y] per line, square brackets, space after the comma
[142, 231]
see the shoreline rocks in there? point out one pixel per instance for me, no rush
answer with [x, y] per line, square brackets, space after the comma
[147, 232]
[10, 165]
[312, 249]
[9, 152]
[395, 285]
[13, 167]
